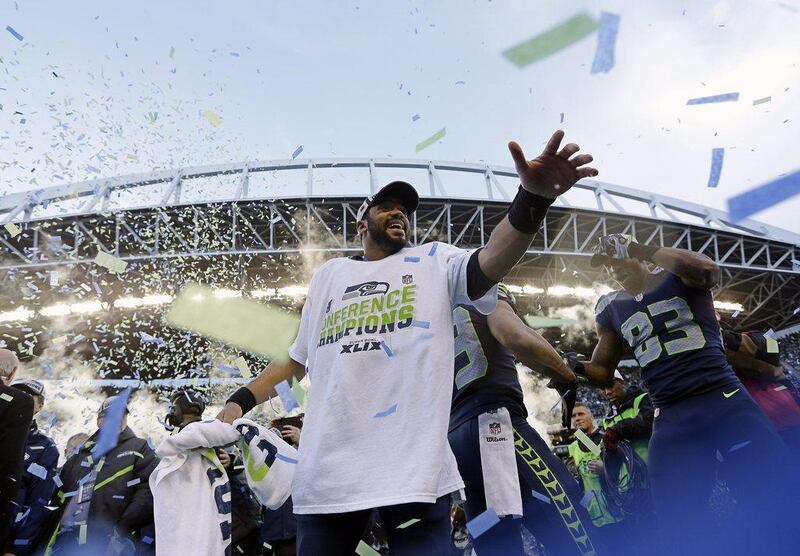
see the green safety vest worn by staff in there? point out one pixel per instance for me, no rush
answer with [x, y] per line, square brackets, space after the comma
[597, 508]
[639, 445]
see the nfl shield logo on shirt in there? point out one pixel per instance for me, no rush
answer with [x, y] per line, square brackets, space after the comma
[408, 278]
[494, 428]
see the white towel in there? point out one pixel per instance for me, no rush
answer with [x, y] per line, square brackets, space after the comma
[269, 463]
[498, 460]
[187, 513]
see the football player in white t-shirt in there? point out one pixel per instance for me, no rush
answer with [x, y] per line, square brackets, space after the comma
[376, 335]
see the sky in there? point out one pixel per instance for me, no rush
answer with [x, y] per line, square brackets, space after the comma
[98, 89]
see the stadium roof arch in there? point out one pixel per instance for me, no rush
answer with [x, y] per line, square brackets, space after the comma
[292, 206]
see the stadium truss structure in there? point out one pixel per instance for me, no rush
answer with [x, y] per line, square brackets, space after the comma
[291, 207]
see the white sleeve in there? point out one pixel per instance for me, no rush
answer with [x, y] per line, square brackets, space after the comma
[457, 260]
[299, 349]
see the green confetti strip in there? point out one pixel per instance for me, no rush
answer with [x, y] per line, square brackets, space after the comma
[586, 441]
[551, 41]
[243, 323]
[12, 229]
[363, 549]
[408, 523]
[432, 139]
[110, 262]
[298, 391]
[762, 100]
[244, 368]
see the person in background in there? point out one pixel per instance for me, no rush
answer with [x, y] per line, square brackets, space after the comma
[279, 528]
[16, 415]
[587, 467]
[104, 504]
[187, 407]
[73, 443]
[630, 417]
[755, 358]
[37, 486]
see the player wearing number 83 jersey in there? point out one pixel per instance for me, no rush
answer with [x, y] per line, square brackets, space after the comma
[706, 425]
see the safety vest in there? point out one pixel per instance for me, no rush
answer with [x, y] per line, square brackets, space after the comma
[639, 445]
[597, 508]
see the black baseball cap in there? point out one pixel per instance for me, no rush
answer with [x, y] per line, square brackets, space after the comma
[400, 190]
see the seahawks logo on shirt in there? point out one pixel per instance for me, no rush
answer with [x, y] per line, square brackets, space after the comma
[364, 289]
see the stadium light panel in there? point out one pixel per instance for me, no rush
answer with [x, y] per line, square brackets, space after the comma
[18, 314]
[222, 293]
[57, 310]
[728, 306]
[567, 291]
[264, 294]
[294, 291]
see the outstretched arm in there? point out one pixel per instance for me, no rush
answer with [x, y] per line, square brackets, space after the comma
[605, 358]
[542, 179]
[528, 345]
[260, 388]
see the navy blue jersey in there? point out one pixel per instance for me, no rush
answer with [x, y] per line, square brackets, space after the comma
[485, 373]
[674, 334]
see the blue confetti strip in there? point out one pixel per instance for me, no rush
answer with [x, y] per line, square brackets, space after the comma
[228, 369]
[562, 118]
[133, 482]
[717, 157]
[432, 252]
[561, 399]
[606, 42]
[540, 496]
[415, 117]
[411, 259]
[587, 498]
[738, 446]
[482, 523]
[421, 323]
[387, 349]
[37, 470]
[287, 459]
[17, 36]
[386, 412]
[727, 97]
[147, 540]
[297, 152]
[764, 196]
[109, 433]
[287, 396]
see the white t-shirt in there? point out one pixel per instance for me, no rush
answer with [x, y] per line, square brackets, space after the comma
[375, 430]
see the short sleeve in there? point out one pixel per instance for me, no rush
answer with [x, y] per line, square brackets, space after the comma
[602, 312]
[299, 349]
[457, 260]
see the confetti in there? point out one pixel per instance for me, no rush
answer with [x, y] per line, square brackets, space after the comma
[386, 412]
[363, 549]
[133, 482]
[551, 41]
[298, 391]
[387, 349]
[587, 498]
[717, 157]
[12, 229]
[432, 139]
[586, 441]
[727, 97]
[780, 388]
[171, 51]
[415, 117]
[606, 41]
[212, 118]
[109, 433]
[37, 470]
[432, 252]
[6, 397]
[244, 368]
[17, 36]
[244, 323]
[287, 459]
[411, 259]
[560, 399]
[408, 523]
[764, 196]
[541, 497]
[421, 324]
[478, 525]
[110, 262]
[287, 396]
[738, 446]
[562, 118]
[151, 339]
[297, 152]
[772, 345]
[761, 100]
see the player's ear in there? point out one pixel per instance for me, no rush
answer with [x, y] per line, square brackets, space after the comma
[361, 226]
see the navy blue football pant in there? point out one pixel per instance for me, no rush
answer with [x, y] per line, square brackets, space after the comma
[723, 435]
[338, 534]
[562, 525]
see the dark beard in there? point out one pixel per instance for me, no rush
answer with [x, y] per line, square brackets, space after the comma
[383, 240]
